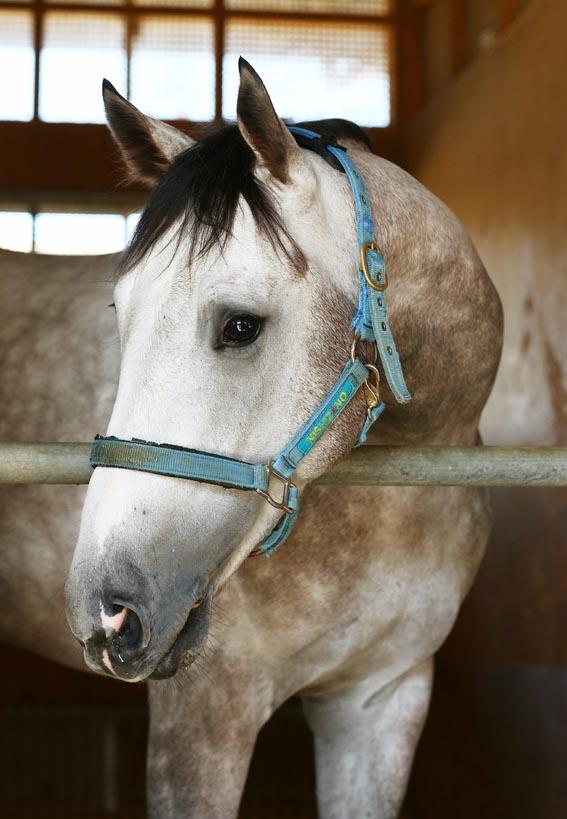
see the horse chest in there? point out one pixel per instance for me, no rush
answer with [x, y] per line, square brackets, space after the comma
[352, 594]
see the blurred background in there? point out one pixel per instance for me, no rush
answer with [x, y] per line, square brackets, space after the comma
[470, 97]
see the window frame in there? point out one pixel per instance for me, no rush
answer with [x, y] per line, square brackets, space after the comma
[67, 144]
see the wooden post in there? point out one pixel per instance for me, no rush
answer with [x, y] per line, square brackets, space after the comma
[507, 11]
[458, 34]
[410, 71]
[219, 22]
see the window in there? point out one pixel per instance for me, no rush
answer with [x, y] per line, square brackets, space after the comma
[172, 73]
[313, 6]
[177, 58]
[16, 231]
[313, 72]
[16, 65]
[65, 232]
[75, 48]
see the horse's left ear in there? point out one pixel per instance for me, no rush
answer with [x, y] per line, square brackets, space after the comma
[263, 130]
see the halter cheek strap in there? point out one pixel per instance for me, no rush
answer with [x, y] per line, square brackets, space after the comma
[273, 480]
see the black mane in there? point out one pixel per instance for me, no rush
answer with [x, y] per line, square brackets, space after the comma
[202, 187]
[336, 130]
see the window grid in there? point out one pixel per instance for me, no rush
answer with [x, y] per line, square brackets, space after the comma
[345, 63]
[220, 12]
[16, 59]
[65, 230]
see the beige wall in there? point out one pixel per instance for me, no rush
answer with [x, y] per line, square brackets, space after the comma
[493, 146]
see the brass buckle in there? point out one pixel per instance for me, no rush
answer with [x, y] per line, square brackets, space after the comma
[287, 485]
[364, 247]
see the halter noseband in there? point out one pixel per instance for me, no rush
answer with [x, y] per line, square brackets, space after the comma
[370, 324]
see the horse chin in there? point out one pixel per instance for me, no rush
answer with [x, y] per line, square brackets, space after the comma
[187, 644]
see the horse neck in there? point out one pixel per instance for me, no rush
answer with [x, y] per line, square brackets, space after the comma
[445, 312]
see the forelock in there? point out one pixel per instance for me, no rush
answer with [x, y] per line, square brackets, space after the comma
[200, 193]
[201, 190]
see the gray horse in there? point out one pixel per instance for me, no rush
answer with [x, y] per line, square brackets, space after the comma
[60, 360]
[234, 303]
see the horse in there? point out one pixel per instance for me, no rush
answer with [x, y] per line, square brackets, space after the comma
[234, 303]
[59, 355]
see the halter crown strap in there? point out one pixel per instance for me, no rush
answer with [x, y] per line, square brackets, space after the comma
[371, 320]
[273, 480]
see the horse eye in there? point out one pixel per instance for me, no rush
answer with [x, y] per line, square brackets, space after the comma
[240, 330]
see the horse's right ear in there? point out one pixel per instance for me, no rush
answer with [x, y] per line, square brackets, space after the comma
[147, 145]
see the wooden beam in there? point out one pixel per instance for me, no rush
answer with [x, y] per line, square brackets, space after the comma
[410, 67]
[37, 46]
[58, 157]
[65, 158]
[458, 33]
[220, 22]
[423, 4]
[506, 12]
[260, 15]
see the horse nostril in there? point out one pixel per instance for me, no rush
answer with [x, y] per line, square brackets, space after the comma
[130, 636]
[127, 635]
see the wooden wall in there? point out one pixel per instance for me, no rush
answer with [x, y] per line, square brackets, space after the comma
[493, 145]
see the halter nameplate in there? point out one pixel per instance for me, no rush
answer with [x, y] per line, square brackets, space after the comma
[370, 324]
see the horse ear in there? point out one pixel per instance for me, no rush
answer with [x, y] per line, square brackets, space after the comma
[147, 145]
[261, 127]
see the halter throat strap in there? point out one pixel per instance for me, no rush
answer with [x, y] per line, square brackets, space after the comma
[273, 480]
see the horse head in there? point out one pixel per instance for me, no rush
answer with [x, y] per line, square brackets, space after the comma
[234, 302]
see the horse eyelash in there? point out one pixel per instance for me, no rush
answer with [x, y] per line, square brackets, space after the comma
[111, 305]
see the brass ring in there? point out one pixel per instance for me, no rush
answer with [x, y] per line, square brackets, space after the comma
[355, 342]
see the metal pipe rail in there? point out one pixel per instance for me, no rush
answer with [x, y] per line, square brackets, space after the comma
[25, 463]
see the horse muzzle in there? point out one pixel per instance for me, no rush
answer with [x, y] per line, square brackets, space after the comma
[124, 640]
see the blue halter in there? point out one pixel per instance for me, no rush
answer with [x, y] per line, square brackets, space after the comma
[370, 324]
